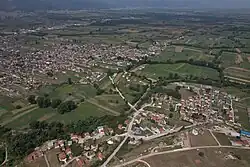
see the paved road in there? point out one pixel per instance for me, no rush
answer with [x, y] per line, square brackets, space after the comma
[129, 126]
[177, 150]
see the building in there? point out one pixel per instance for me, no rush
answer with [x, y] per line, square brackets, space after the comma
[62, 157]
[68, 151]
[245, 133]
[79, 162]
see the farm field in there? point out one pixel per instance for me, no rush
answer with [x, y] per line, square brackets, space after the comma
[228, 59]
[238, 72]
[163, 70]
[243, 117]
[212, 157]
[178, 53]
[222, 138]
[66, 91]
[83, 111]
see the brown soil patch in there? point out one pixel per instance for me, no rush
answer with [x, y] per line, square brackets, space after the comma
[238, 50]
[179, 48]
[238, 59]
[248, 58]
[46, 117]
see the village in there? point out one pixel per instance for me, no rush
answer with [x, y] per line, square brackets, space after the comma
[25, 67]
[190, 120]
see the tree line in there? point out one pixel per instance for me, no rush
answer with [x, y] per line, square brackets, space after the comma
[45, 102]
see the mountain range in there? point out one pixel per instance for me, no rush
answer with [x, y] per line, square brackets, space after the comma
[98, 4]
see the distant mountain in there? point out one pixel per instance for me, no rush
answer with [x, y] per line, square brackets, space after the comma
[97, 4]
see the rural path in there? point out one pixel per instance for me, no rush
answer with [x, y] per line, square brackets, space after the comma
[245, 98]
[142, 161]
[18, 116]
[177, 150]
[215, 137]
[46, 159]
[237, 79]
[196, 50]
[92, 101]
[237, 68]
[6, 156]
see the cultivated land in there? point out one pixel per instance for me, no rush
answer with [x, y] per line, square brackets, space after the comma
[182, 69]
[212, 157]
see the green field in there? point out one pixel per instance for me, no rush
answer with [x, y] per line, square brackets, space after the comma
[114, 102]
[83, 111]
[163, 70]
[243, 117]
[170, 53]
[66, 91]
[228, 59]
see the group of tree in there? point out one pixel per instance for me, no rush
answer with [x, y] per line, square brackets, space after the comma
[99, 91]
[66, 106]
[45, 102]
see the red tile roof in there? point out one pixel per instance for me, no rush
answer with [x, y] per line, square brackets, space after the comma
[62, 156]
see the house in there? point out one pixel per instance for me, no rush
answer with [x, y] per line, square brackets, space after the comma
[80, 163]
[57, 145]
[50, 145]
[101, 130]
[81, 140]
[245, 133]
[34, 155]
[90, 154]
[70, 143]
[100, 156]
[62, 157]
[74, 137]
[120, 126]
[68, 151]
[61, 143]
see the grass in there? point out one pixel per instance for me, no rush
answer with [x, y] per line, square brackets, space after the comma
[28, 118]
[243, 118]
[228, 59]
[84, 111]
[114, 102]
[163, 70]
[170, 53]
[77, 91]
[222, 138]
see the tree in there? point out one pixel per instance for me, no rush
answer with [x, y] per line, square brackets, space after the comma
[170, 115]
[43, 102]
[67, 106]
[40, 101]
[32, 99]
[18, 107]
[55, 103]
[201, 154]
[69, 81]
